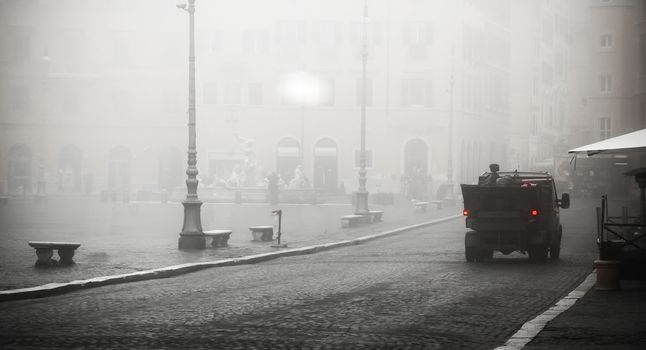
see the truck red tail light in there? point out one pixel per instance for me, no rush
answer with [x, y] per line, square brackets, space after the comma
[465, 212]
[533, 212]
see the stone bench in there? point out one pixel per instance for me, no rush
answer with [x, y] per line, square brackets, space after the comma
[420, 207]
[351, 220]
[437, 203]
[262, 233]
[375, 215]
[45, 251]
[219, 238]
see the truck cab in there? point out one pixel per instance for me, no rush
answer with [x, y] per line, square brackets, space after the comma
[519, 212]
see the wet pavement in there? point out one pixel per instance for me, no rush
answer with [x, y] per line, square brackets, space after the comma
[389, 304]
[120, 238]
[411, 290]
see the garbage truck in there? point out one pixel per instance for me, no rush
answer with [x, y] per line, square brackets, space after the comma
[519, 211]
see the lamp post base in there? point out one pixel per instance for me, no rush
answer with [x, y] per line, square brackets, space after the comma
[192, 236]
[361, 207]
[191, 242]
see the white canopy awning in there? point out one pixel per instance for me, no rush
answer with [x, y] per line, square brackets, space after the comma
[631, 142]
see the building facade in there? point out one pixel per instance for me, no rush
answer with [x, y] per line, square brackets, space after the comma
[547, 64]
[614, 99]
[94, 93]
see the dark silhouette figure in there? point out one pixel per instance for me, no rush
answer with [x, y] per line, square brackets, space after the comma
[493, 175]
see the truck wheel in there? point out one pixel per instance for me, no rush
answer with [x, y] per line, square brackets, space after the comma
[470, 254]
[470, 246]
[485, 255]
[538, 254]
[555, 249]
[555, 252]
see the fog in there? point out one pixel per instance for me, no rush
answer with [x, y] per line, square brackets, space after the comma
[95, 93]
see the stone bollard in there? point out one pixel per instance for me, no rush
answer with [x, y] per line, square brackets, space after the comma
[607, 274]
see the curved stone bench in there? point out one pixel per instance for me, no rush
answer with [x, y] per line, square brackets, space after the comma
[438, 203]
[420, 207]
[375, 215]
[219, 238]
[351, 220]
[262, 233]
[45, 251]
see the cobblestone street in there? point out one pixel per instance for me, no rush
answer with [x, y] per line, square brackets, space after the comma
[412, 290]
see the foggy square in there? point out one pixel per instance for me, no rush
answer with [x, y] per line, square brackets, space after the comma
[361, 174]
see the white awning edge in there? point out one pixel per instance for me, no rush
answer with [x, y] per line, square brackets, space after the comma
[631, 142]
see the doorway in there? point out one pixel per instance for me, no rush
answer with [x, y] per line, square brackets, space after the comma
[325, 165]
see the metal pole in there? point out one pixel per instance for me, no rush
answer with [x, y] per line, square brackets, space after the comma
[303, 134]
[192, 236]
[362, 193]
[41, 193]
[449, 167]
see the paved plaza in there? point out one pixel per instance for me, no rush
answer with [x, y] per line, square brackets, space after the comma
[118, 238]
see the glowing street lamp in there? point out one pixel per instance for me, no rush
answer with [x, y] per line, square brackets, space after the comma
[304, 89]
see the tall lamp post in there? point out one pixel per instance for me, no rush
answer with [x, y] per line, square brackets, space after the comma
[302, 135]
[362, 194]
[449, 166]
[192, 236]
[41, 193]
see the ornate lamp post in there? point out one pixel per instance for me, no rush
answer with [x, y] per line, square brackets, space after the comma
[362, 194]
[449, 166]
[192, 236]
[41, 193]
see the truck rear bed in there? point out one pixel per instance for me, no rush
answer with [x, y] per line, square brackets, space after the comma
[499, 208]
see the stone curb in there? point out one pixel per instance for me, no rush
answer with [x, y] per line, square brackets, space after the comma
[51, 289]
[531, 328]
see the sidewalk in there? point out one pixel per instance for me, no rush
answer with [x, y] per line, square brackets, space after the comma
[599, 320]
